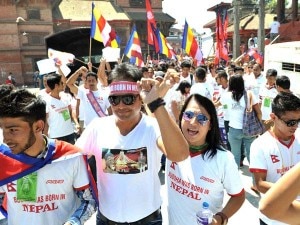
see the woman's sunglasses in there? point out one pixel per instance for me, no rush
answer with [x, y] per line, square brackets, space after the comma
[201, 118]
[126, 99]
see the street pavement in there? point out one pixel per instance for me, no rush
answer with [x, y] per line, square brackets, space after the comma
[248, 213]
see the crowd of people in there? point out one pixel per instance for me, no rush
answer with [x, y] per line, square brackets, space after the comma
[120, 126]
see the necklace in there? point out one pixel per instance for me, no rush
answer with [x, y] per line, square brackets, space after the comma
[195, 149]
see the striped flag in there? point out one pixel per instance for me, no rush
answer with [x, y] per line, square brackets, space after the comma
[190, 44]
[164, 47]
[101, 30]
[133, 49]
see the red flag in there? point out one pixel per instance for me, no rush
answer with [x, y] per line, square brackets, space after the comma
[151, 23]
[221, 35]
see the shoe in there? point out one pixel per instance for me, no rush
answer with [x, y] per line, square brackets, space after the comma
[241, 164]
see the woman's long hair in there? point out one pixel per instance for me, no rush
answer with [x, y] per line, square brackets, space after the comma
[236, 86]
[213, 137]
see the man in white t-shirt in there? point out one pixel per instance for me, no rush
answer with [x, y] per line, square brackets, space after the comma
[274, 28]
[94, 101]
[267, 93]
[59, 112]
[186, 72]
[201, 87]
[255, 82]
[130, 189]
[44, 181]
[277, 150]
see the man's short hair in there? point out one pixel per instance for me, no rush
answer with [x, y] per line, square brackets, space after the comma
[283, 82]
[186, 63]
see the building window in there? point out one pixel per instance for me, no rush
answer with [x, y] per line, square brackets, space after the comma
[137, 3]
[36, 40]
[34, 14]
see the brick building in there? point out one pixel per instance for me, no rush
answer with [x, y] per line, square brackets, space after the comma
[26, 24]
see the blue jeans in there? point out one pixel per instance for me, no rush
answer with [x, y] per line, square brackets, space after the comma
[235, 138]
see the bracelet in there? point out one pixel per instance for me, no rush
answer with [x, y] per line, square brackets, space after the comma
[224, 218]
[156, 104]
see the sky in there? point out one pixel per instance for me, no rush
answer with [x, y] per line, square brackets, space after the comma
[194, 11]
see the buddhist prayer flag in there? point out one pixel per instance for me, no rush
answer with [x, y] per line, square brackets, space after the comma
[190, 44]
[163, 46]
[101, 30]
[221, 35]
[151, 23]
[133, 49]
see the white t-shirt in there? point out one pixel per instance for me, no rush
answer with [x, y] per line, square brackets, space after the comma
[56, 198]
[274, 28]
[203, 89]
[235, 109]
[271, 156]
[59, 118]
[129, 187]
[267, 95]
[256, 84]
[89, 112]
[197, 180]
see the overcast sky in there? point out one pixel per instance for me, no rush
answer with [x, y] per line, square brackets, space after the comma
[194, 11]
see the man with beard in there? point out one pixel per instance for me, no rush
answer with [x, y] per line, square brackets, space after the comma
[44, 181]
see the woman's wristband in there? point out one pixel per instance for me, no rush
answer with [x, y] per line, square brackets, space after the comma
[156, 104]
[224, 218]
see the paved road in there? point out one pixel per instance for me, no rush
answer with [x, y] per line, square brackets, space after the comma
[248, 214]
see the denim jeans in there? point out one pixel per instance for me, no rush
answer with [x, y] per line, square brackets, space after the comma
[3, 221]
[236, 138]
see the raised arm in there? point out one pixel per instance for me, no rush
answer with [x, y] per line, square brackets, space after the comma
[279, 202]
[172, 142]
[101, 72]
[72, 79]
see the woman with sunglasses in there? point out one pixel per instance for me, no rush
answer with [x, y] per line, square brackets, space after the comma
[208, 171]
[277, 150]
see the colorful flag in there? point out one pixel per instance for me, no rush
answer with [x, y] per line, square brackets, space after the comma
[101, 30]
[151, 24]
[256, 55]
[190, 44]
[163, 46]
[221, 35]
[133, 49]
[60, 58]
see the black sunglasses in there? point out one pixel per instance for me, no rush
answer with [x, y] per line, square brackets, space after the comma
[126, 99]
[290, 123]
[201, 118]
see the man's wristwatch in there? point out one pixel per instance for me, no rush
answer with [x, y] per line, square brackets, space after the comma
[224, 218]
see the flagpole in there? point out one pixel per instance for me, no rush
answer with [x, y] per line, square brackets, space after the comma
[122, 58]
[84, 63]
[90, 50]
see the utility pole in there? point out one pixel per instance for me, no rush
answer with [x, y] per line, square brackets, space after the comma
[236, 36]
[261, 27]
